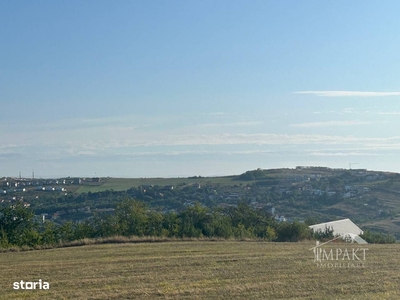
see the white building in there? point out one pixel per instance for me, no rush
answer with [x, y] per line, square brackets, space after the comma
[344, 228]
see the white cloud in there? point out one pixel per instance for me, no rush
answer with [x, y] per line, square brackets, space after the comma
[316, 153]
[348, 93]
[9, 146]
[330, 123]
[231, 124]
[231, 139]
[200, 152]
[389, 113]
[216, 114]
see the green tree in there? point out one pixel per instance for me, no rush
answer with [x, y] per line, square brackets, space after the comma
[154, 224]
[255, 220]
[293, 232]
[49, 233]
[65, 232]
[132, 217]
[220, 225]
[106, 226]
[194, 221]
[270, 234]
[171, 225]
[84, 230]
[378, 237]
[17, 225]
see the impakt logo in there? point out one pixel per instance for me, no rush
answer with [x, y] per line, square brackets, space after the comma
[31, 285]
[338, 257]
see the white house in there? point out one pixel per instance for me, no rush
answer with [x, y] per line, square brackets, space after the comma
[343, 228]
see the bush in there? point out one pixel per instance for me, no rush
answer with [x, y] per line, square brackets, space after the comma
[378, 238]
[293, 232]
[324, 235]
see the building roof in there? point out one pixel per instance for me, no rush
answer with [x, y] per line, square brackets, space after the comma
[340, 227]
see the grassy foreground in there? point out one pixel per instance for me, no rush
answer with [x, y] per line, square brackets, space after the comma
[198, 270]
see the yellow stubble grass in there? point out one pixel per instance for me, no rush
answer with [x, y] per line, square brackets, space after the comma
[199, 270]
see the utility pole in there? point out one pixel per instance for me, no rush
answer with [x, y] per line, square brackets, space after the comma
[350, 164]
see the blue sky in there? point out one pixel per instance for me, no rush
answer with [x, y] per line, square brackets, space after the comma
[182, 88]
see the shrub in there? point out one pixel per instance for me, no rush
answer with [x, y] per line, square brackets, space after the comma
[378, 238]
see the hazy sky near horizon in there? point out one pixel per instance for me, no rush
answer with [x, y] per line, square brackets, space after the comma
[182, 88]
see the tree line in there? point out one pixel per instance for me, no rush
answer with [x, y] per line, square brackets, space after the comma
[18, 226]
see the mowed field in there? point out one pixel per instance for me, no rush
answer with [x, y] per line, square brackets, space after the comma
[199, 270]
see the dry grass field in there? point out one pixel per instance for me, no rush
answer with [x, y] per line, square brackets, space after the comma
[199, 270]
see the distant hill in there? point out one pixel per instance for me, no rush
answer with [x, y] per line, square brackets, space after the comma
[371, 199]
